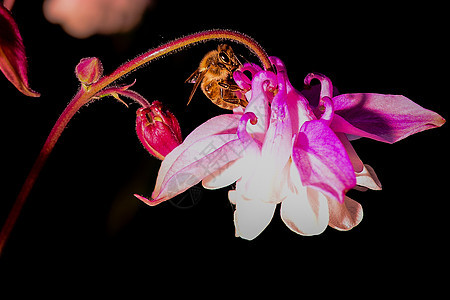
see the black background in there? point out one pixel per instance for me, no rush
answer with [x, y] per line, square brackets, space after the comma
[81, 216]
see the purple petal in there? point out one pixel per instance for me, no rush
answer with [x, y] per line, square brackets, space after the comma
[386, 118]
[298, 106]
[322, 161]
[259, 103]
[278, 140]
[241, 79]
[312, 94]
[326, 87]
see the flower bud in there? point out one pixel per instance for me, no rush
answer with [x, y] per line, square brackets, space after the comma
[158, 130]
[89, 70]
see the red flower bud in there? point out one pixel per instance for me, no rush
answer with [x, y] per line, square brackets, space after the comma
[89, 70]
[158, 130]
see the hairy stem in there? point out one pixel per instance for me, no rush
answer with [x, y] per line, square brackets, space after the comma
[85, 95]
[78, 101]
[187, 41]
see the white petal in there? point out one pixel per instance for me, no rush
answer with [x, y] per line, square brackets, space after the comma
[217, 125]
[367, 178]
[224, 176]
[252, 217]
[344, 216]
[232, 196]
[305, 212]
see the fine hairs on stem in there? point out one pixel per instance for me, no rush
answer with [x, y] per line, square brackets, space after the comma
[100, 88]
[200, 37]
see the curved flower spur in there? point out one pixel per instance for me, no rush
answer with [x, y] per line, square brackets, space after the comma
[281, 149]
[284, 150]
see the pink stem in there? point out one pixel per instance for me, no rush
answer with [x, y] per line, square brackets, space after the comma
[85, 95]
[77, 102]
[187, 41]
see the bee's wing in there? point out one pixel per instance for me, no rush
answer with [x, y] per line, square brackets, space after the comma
[196, 78]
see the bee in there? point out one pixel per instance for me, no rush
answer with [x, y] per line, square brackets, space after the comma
[215, 77]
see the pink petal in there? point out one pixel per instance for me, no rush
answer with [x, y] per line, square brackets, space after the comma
[367, 179]
[327, 109]
[298, 106]
[322, 161]
[354, 158]
[234, 170]
[326, 87]
[386, 118]
[252, 147]
[259, 103]
[312, 94]
[180, 171]
[340, 125]
[346, 215]
[263, 183]
[277, 144]
[225, 124]
[13, 60]
[241, 79]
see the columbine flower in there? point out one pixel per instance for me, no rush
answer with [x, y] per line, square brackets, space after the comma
[13, 60]
[158, 130]
[282, 149]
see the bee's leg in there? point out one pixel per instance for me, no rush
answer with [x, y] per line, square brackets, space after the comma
[231, 86]
[229, 97]
[232, 97]
[243, 103]
[239, 94]
[232, 93]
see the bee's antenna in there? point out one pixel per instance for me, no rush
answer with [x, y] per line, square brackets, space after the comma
[242, 57]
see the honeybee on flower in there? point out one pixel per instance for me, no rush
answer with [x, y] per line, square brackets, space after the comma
[277, 146]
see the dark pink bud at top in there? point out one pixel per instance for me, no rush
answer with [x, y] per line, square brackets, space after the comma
[89, 70]
[158, 130]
